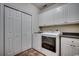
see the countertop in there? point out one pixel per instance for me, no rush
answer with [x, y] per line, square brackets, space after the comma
[65, 34]
[70, 35]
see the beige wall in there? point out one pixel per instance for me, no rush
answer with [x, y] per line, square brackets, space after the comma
[62, 28]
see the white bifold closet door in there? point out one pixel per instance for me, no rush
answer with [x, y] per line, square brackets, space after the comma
[1, 30]
[26, 32]
[12, 31]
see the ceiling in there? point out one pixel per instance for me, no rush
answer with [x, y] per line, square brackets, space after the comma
[43, 5]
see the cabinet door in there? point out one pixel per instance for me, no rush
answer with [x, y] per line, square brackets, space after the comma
[76, 47]
[43, 19]
[66, 46]
[46, 18]
[26, 31]
[68, 41]
[76, 42]
[73, 13]
[59, 15]
[37, 41]
[66, 50]
[75, 51]
[17, 32]
[50, 17]
[9, 35]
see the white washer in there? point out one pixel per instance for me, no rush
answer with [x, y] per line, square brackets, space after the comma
[50, 43]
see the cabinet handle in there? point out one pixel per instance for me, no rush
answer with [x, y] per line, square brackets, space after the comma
[70, 45]
[73, 45]
[72, 41]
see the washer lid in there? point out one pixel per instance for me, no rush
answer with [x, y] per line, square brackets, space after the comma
[51, 33]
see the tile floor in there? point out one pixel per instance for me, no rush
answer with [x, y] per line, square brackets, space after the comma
[31, 52]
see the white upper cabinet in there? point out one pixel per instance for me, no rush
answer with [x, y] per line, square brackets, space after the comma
[43, 19]
[52, 17]
[59, 15]
[73, 13]
[65, 14]
[46, 18]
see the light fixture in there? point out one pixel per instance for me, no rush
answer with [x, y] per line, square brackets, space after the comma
[58, 9]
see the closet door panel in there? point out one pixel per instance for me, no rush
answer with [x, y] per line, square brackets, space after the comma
[29, 31]
[12, 31]
[1, 30]
[9, 31]
[17, 32]
[26, 31]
